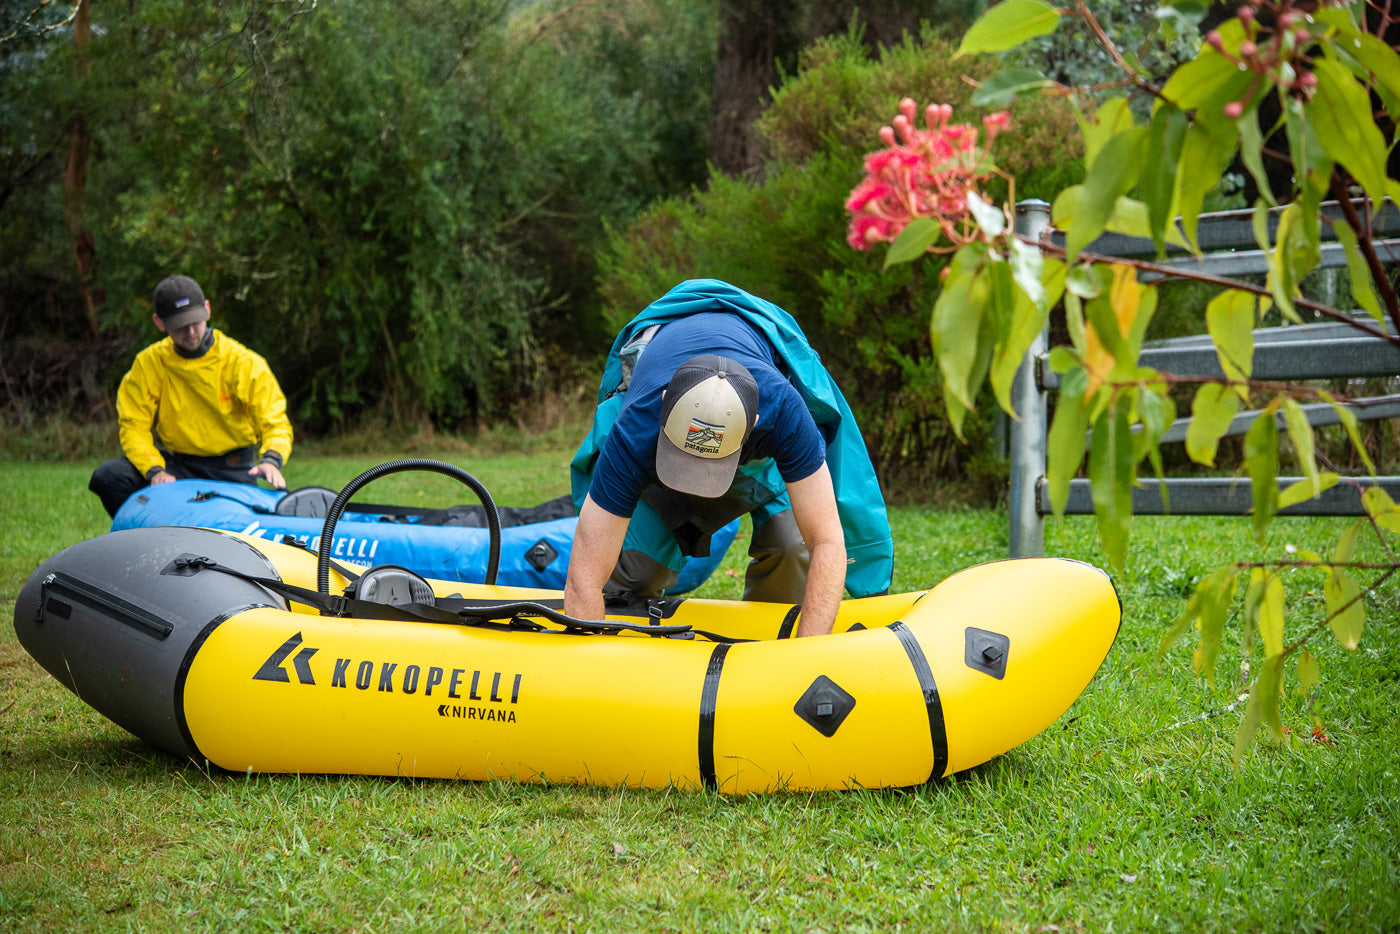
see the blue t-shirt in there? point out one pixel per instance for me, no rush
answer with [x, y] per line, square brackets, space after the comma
[785, 431]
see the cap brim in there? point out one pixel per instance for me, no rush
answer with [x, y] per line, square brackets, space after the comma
[184, 319]
[709, 477]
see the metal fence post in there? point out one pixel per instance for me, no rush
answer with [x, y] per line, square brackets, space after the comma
[1028, 432]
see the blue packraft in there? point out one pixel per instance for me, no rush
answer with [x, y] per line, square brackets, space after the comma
[533, 553]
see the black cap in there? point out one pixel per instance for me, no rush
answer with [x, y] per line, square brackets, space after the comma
[180, 302]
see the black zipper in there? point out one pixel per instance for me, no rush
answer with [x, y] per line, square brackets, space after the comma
[95, 598]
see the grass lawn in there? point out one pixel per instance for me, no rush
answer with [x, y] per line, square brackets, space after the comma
[1126, 815]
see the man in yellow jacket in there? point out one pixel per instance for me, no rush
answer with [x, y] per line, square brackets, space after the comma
[199, 405]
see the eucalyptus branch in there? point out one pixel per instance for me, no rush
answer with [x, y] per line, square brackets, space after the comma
[1301, 640]
[40, 30]
[1173, 272]
[1367, 246]
[1107, 44]
[1389, 568]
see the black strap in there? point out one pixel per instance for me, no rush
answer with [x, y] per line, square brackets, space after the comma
[933, 705]
[400, 512]
[709, 705]
[446, 610]
[339, 568]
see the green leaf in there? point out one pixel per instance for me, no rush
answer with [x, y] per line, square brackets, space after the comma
[1263, 698]
[957, 329]
[1102, 316]
[1208, 150]
[1158, 411]
[1062, 359]
[1083, 281]
[1249, 625]
[1299, 429]
[913, 241]
[1261, 461]
[1065, 442]
[1007, 25]
[1363, 285]
[990, 218]
[1348, 419]
[1346, 544]
[1041, 279]
[1296, 252]
[1130, 218]
[1211, 412]
[1309, 672]
[1027, 321]
[1383, 63]
[1074, 317]
[1209, 81]
[1262, 707]
[1303, 490]
[1311, 165]
[1210, 598]
[1346, 612]
[1341, 115]
[1166, 138]
[1208, 608]
[1113, 173]
[1381, 508]
[1146, 297]
[1002, 89]
[1111, 482]
[1269, 615]
[1112, 117]
[1252, 153]
[1230, 321]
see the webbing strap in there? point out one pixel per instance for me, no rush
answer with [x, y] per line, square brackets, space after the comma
[445, 610]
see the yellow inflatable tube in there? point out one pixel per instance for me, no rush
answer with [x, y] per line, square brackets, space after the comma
[910, 687]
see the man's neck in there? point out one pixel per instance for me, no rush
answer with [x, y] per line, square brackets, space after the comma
[199, 351]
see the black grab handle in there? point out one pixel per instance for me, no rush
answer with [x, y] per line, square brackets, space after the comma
[493, 518]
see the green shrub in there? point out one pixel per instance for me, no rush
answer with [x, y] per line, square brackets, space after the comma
[397, 203]
[783, 237]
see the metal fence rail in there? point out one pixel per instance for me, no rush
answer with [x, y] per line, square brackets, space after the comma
[1313, 351]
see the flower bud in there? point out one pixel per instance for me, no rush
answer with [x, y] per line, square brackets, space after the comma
[1234, 110]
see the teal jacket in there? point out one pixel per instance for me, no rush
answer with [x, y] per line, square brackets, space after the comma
[869, 547]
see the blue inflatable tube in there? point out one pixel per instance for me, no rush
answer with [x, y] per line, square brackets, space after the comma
[533, 554]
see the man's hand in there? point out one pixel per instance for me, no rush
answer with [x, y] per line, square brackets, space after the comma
[598, 538]
[162, 477]
[269, 472]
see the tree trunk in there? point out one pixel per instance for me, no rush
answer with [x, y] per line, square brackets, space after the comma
[745, 70]
[75, 177]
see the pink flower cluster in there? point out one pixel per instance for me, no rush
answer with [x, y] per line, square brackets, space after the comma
[921, 173]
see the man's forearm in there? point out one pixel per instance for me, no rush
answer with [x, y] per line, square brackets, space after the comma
[826, 578]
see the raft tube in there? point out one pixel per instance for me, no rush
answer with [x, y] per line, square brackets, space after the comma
[534, 553]
[178, 636]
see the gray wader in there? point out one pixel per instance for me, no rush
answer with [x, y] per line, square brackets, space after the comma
[777, 571]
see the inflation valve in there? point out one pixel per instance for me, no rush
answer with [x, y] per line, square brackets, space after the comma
[540, 554]
[824, 705]
[986, 652]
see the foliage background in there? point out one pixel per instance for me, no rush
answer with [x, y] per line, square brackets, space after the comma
[783, 237]
[393, 202]
[430, 216]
